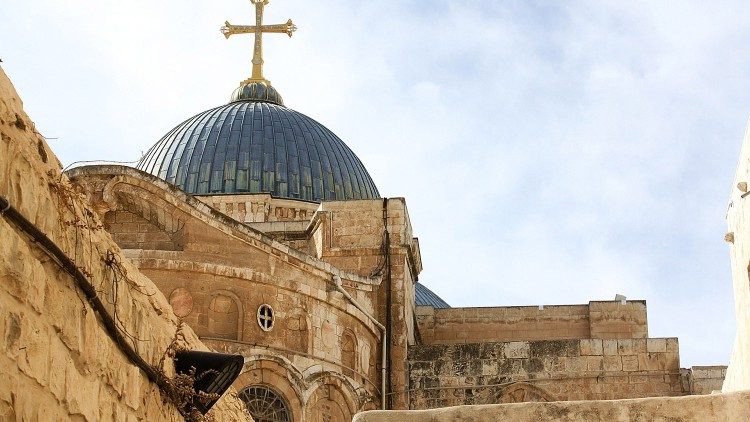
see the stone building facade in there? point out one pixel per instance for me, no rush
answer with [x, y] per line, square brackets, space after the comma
[221, 259]
[322, 352]
[324, 270]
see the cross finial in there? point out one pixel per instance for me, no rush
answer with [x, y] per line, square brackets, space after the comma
[258, 29]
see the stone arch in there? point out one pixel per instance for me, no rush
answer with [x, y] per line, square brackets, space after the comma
[524, 392]
[118, 195]
[331, 399]
[297, 323]
[261, 359]
[225, 315]
[277, 373]
[349, 353]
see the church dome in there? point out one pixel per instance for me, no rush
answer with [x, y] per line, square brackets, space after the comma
[255, 144]
[426, 297]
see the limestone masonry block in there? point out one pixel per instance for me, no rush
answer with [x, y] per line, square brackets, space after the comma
[591, 347]
[656, 345]
[609, 347]
[516, 349]
[629, 363]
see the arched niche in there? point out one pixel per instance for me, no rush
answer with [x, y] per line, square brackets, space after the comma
[225, 315]
[349, 353]
[296, 322]
[132, 231]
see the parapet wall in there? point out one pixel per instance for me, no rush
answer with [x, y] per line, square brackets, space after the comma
[706, 379]
[602, 320]
[502, 372]
[734, 407]
[58, 361]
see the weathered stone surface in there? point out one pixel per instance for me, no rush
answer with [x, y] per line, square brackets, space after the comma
[738, 222]
[732, 407]
[600, 320]
[706, 379]
[218, 272]
[482, 373]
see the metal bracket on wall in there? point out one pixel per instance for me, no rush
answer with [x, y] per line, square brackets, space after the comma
[213, 373]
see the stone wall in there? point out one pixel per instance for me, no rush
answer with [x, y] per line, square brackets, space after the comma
[706, 379]
[734, 407]
[603, 320]
[511, 323]
[501, 372]
[351, 236]
[618, 319]
[132, 231]
[738, 238]
[57, 360]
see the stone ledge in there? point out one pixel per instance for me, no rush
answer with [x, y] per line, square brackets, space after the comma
[716, 407]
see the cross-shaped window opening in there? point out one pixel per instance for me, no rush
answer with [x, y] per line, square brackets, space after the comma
[265, 317]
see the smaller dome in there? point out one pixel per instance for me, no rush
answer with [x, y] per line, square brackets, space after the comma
[254, 90]
[426, 297]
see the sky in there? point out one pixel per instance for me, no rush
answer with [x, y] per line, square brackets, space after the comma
[549, 152]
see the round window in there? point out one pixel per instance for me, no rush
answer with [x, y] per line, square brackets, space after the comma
[265, 317]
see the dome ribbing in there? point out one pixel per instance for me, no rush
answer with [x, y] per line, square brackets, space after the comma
[253, 147]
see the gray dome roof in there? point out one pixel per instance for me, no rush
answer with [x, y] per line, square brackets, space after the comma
[426, 297]
[258, 146]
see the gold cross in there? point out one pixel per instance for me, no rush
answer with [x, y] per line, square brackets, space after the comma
[258, 29]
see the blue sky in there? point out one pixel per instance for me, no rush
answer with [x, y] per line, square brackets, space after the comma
[549, 152]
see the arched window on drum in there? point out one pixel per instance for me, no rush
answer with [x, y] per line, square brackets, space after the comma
[223, 316]
[349, 353]
[265, 405]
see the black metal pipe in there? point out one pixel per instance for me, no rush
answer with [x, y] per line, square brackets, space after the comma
[51, 249]
[388, 302]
